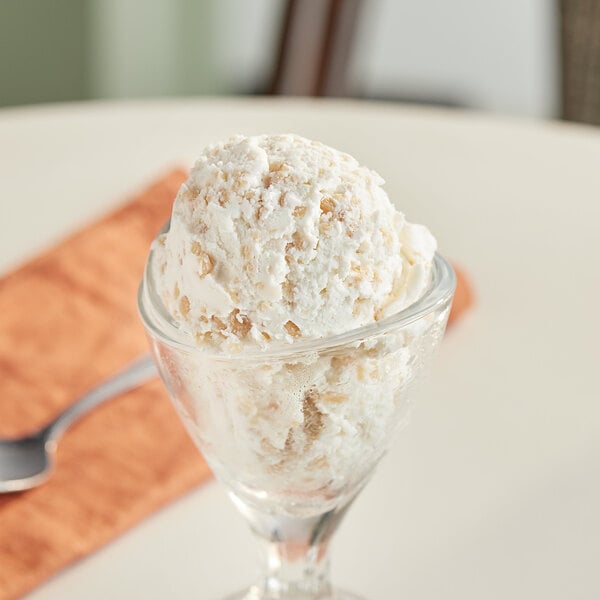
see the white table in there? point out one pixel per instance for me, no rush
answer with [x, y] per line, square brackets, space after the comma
[494, 490]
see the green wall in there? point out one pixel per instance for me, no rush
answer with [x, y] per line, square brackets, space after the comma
[57, 50]
[42, 51]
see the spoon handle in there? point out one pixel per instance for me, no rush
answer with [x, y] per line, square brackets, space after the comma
[136, 373]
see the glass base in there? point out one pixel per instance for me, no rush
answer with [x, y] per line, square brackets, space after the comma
[254, 595]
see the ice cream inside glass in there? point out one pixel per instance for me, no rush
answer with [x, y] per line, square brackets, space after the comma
[290, 309]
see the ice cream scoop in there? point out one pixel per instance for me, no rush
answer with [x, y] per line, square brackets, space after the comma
[276, 237]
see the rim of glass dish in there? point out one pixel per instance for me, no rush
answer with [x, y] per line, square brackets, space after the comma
[162, 326]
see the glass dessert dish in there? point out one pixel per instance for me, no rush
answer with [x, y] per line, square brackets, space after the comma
[295, 431]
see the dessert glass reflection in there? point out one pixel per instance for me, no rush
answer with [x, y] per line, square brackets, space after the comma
[294, 431]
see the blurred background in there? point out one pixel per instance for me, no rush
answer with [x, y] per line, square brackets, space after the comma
[537, 58]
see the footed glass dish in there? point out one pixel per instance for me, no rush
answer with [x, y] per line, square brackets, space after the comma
[295, 432]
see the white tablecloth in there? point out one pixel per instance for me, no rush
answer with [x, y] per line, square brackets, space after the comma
[494, 490]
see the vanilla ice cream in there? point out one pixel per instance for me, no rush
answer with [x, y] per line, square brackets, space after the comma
[277, 237]
[274, 240]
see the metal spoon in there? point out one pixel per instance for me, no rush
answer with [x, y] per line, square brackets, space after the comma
[26, 462]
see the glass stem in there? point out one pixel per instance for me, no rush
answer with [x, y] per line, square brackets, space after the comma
[294, 554]
[292, 568]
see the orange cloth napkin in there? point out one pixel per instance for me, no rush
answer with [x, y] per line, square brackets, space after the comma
[67, 320]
